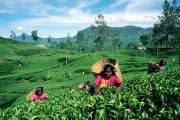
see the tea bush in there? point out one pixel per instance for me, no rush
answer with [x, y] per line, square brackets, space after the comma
[149, 96]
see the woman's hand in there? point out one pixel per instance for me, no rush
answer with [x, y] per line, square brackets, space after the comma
[97, 89]
[118, 89]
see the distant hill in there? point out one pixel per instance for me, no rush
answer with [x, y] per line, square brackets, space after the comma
[29, 39]
[127, 34]
[131, 33]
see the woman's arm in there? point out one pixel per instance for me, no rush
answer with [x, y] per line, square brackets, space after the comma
[44, 96]
[97, 83]
[118, 89]
[97, 89]
[118, 82]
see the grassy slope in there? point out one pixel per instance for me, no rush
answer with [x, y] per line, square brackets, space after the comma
[42, 68]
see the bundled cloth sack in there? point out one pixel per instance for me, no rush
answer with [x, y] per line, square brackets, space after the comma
[153, 67]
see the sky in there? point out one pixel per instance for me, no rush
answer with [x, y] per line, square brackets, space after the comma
[61, 17]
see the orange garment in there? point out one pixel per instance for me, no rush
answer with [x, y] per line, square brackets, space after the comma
[104, 83]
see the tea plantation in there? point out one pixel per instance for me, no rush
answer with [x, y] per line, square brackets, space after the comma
[24, 67]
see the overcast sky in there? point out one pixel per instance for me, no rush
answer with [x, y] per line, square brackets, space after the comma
[59, 17]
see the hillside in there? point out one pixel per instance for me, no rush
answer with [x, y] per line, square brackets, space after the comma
[153, 97]
[26, 66]
[29, 65]
[127, 34]
[131, 33]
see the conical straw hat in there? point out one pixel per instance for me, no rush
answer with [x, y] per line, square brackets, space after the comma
[29, 96]
[98, 66]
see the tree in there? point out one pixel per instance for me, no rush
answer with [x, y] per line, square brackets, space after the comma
[62, 45]
[115, 41]
[132, 45]
[50, 42]
[157, 36]
[90, 41]
[168, 25]
[68, 45]
[177, 38]
[68, 42]
[13, 35]
[23, 37]
[80, 37]
[146, 39]
[101, 31]
[35, 36]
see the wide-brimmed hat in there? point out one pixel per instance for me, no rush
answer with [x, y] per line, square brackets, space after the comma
[99, 65]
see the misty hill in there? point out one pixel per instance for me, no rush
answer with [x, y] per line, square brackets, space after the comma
[127, 34]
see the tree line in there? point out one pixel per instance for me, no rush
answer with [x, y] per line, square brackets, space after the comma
[166, 32]
[102, 38]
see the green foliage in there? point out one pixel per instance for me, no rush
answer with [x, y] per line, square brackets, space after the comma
[29, 52]
[80, 38]
[154, 96]
[35, 36]
[44, 69]
[68, 42]
[126, 34]
[166, 31]
[132, 45]
[85, 71]
[146, 39]
[13, 35]
[62, 60]
[23, 37]
[101, 31]
[62, 45]
[50, 41]
[7, 99]
[115, 41]
[9, 65]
